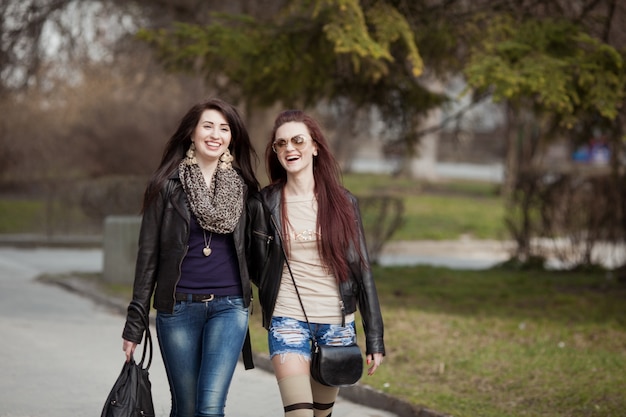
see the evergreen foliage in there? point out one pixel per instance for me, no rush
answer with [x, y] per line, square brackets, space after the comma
[312, 51]
[563, 70]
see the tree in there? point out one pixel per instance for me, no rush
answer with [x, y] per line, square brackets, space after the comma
[81, 98]
[555, 64]
[558, 80]
[337, 51]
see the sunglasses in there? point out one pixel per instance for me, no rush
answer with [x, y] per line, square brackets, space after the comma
[297, 141]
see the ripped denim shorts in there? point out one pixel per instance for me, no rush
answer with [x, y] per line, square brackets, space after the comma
[287, 335]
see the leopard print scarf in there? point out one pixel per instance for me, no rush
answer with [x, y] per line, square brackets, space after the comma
[218, 206]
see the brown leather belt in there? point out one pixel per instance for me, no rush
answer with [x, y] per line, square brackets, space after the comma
[200, 298]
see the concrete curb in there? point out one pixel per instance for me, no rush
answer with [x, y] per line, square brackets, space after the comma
[50, 241]
[359, 393]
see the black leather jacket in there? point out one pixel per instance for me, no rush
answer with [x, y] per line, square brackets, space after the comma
[266, 263]
[163, 244]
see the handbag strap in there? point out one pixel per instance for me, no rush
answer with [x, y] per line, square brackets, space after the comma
[282, 246]
[147, 338]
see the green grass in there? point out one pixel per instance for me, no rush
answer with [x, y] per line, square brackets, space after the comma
[500, 343]
[448, 217]
[440, 211]
[444, 210]
[504, 343]
[19, 216]
[34, 215]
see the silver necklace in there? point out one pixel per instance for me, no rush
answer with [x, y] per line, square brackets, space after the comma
[207, 245]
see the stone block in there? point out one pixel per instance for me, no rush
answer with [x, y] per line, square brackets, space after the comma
[121, 234]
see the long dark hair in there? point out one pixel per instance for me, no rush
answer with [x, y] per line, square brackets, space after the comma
[336, 216]
[175, 148]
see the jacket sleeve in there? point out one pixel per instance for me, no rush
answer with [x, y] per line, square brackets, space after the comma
[369, 306]
[145, 268]
[259, 236]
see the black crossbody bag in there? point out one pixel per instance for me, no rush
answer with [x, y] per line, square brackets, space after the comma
[331, 365]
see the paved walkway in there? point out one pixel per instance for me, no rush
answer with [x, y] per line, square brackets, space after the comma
[461, 253]
[468, 253]
[61, 352]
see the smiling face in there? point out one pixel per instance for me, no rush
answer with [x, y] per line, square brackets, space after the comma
[211, 136]
[295, 148]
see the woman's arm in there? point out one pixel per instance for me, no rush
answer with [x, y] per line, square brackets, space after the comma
[369, 306]
[146, 267]
[259, 237]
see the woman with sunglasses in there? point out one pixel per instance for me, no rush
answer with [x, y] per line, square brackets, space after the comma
[306, 209]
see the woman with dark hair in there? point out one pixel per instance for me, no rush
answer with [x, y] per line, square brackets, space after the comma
[192, 258]
[317, 222]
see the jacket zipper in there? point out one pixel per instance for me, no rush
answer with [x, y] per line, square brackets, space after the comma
[343, 310]
[268, 238]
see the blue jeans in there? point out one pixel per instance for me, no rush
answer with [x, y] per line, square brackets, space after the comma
[200, 344]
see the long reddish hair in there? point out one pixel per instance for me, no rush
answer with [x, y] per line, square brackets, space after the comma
[337, 223]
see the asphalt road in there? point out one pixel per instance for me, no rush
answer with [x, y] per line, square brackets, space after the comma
[60, 353]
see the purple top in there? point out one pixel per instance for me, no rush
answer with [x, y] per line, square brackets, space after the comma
[217, 273]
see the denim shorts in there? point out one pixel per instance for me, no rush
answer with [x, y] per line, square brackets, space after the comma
[287, 335]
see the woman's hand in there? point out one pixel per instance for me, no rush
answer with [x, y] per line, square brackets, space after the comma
[129, 348]
[376, 359]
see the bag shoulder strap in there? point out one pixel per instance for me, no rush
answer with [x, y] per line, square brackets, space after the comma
[282, 246]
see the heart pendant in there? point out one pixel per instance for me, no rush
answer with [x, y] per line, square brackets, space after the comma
[206, 251]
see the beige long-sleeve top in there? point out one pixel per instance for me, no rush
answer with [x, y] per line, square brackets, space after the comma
[318, 287]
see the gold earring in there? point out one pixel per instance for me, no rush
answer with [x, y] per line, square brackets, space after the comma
[191, 155]
[226, 160]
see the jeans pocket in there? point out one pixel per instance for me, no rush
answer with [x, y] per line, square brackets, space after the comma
[237, 302]
[179, 307]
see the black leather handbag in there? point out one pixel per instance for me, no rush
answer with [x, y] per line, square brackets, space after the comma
[336, 366]
[131, 395]
[331, 365]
